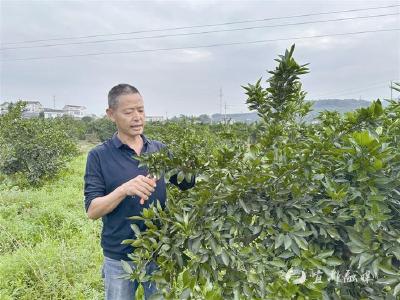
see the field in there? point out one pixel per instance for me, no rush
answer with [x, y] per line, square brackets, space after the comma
[281, 209]
[49, 249]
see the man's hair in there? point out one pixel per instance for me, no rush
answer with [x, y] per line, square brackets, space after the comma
[118, 90]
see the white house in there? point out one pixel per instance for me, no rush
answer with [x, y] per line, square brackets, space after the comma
[33, 107]
[75, 111]
[154, 118]
[53, 113]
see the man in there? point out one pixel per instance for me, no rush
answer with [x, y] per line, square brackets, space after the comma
[116, 188]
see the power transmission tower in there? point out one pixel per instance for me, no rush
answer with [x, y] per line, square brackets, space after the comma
[220, 101]
[54, 102]
[225, 114]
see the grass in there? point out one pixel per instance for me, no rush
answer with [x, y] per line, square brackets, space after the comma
[49, 249]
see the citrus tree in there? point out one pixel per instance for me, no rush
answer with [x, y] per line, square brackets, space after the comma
[32, 150]
[297, 211]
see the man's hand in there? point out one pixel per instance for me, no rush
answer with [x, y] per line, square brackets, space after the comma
[140, 186]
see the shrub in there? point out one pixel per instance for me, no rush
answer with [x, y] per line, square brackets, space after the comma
[102, 128]
[32, 150]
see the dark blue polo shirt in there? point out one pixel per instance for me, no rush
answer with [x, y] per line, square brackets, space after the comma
[109, 165]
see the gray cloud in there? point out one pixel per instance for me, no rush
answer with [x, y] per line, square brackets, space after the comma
[188, 81]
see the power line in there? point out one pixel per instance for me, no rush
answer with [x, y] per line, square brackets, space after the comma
[199, 33]
[204, 25]
[201, 46]
[351, 90]
[357, 90]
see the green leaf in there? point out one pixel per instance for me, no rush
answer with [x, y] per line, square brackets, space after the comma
[286, 254]
[244, 206]
[333, 261]
[127, 268]
[186, 278]
[136, 230]
[127, 241]
[277, 263]
[333, 233]
[195, 244]
[225, 258]
[363, 138]
[180, 177]
[387, 280]
[139, 218]
[213, 295]
[279, 240]
[188, 177]
[214, 246]
[325, 254]
[165, 247]
[375, 267]
[364, 259]
[396, 290]
[301, 242]
[387, 269]
[287, 242]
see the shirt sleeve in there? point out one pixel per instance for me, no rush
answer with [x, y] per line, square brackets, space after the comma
[94, 180]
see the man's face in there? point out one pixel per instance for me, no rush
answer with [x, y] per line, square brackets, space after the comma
[129, 114]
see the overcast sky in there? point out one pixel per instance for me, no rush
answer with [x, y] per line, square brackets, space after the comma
[188, 80]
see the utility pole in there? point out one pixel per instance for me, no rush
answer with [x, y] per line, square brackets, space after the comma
[391, 90]
[220, 101]
[225, 115]
[54, 102]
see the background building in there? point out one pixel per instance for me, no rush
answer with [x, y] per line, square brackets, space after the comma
[53, 113]
[75, 111]
[154, 118]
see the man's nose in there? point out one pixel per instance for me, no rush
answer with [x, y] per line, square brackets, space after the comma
[136, 115]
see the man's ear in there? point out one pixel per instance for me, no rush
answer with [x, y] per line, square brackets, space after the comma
[110, 114]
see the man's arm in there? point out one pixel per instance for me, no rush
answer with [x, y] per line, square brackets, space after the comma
[97, 203]
[101, 206]
[140, 185]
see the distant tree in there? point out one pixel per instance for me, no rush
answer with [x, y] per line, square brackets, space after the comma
[103, 128]
[87, 119]
[204, 119]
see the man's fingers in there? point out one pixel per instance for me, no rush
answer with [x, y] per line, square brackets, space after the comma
[145, 185]
[142, 195]
[145, 191]
[150, 181]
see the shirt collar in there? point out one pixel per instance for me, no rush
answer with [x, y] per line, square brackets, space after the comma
[118, 144]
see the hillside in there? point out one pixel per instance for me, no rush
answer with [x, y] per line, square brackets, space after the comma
[340, 105]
